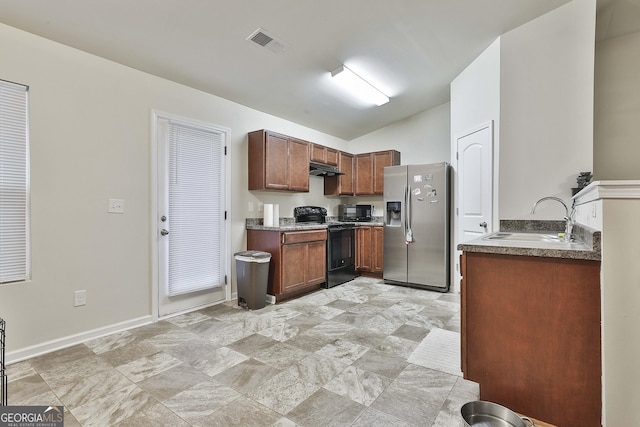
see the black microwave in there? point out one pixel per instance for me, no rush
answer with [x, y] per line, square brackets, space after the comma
[362, 213]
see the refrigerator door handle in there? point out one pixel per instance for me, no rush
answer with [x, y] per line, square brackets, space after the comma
[407, 201]
[404, 210]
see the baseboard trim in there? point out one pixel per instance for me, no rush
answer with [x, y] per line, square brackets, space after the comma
[68, 341]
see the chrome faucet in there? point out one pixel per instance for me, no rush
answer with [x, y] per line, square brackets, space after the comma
[568, 228]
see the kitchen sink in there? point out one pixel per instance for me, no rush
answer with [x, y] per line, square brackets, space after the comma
[525, 237]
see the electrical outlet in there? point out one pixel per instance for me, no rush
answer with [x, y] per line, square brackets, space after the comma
[79, 298]
[116, 205]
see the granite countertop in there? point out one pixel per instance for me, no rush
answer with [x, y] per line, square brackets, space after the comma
[585, 246]
[289, 224]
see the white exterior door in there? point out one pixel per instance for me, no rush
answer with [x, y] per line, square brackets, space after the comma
[475, 183]
[191, 234]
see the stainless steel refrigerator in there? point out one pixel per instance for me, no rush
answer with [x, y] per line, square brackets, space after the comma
[417, 226]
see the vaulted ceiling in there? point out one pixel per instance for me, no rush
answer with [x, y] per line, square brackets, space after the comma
[412, 49]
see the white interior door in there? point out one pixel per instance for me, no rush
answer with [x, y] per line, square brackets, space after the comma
[475, 183]
[191, 231]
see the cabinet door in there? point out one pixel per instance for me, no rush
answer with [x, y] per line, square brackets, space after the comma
[317, 153]
[532, 327]
[332, 156]
[293, 258]
[380, 160]
[298, 165]
[316, 262]
[341, 185]
[321, 154]
[364, 174]
[363, 246]
[276, 156]
[378, 249]
[345, 162]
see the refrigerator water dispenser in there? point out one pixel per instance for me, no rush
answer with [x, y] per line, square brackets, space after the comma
[393, 218]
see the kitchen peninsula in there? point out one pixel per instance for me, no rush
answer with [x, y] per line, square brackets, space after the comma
[530, 323]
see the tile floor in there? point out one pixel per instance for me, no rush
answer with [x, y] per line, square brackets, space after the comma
[337, 357]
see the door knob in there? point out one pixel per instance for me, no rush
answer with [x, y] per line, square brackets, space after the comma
[483, 224]
[164, 232]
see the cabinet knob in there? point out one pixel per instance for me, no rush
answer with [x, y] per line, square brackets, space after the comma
[483, 224]
[164, 232]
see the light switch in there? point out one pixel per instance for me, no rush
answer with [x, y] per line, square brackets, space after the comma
[79, 298]
[116, 206]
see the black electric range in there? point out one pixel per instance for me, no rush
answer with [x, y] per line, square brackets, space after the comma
[341, 254]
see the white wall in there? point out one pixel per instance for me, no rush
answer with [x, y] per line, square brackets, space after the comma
[620, 314]
[90, 141]
[422, 138]
[546, 109]
[617, 108]
[475, 101]
[616, 205]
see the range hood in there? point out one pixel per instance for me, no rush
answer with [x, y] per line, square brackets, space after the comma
[318, 169]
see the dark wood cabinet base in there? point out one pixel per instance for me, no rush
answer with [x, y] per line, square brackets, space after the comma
[531, 335]
[298, 260]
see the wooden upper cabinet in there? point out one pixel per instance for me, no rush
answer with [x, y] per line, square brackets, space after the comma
[341, 185]
[381, 159]
[277, 162]
[321, 154]
[298, 165]
[364, 174]
[370, 171]
[276, 174]
[332, 156]
[317, 153]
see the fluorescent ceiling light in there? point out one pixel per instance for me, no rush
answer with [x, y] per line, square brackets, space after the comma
[358, 87]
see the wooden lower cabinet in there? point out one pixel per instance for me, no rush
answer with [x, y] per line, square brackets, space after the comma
[370, 250]
[378, 249]
[530, 329]
[304, 265]
[298, 260]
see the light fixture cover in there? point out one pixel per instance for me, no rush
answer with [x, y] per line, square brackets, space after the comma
[358, 86]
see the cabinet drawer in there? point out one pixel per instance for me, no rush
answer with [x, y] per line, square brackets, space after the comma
[303, 236]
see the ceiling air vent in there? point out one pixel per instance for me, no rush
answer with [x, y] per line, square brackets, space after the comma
[268, 41]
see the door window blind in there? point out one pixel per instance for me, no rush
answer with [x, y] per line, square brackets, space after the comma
[196, 209]
[14, 183]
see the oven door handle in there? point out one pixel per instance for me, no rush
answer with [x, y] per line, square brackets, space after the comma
[340, 228]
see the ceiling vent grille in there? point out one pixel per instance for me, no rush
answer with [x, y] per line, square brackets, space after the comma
[269, 41]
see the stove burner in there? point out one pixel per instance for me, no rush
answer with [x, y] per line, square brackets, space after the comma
[310, 214]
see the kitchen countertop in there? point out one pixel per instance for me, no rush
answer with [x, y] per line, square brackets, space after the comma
[586, 245]
[288, 224]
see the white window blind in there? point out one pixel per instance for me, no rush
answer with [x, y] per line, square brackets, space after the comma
[196, 209]
[14, 183]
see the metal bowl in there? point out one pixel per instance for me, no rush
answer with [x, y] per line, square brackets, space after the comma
[489, 414]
